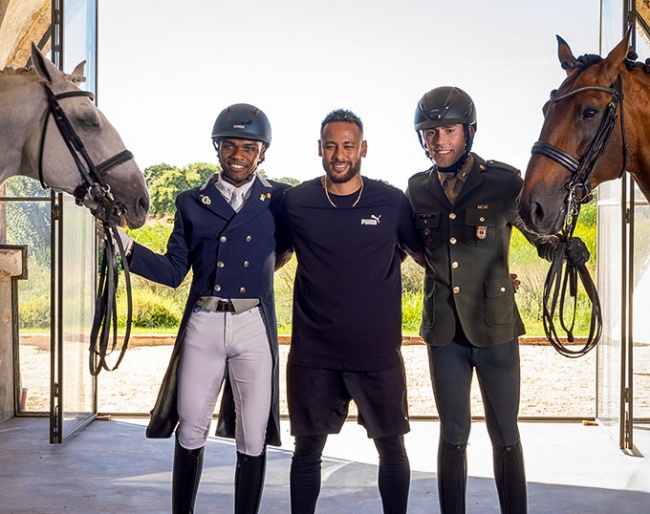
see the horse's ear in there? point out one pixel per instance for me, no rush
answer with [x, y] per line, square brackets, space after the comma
[77, 76]
[44, 67]
[616, 57]
[564, 54]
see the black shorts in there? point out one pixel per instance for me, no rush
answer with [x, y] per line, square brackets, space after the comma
[318, 400]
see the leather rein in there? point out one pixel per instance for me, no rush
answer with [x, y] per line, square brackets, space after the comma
[558, 285]
[94, 186]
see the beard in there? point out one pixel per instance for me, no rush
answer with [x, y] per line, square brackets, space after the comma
[337, 178]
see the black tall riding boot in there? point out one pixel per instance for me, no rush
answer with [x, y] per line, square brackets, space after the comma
[510, 478]
[452, 477]
[186, 475]
[249, 482]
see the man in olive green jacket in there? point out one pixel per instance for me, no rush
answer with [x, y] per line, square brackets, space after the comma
[465, 209]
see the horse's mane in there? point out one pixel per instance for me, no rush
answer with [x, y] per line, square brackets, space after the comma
[632, 64]
[29, 73]
[17, 71]
[13, 77]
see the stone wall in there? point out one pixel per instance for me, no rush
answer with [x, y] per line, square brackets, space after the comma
[13, 266]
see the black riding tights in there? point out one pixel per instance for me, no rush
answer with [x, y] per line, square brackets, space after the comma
[393, 478]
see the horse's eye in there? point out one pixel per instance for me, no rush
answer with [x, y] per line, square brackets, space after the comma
[589, 113]
[91, 122]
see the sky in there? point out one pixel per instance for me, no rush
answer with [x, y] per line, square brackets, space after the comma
[167, 68]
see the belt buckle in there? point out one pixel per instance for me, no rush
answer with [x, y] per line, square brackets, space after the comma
[225, 306]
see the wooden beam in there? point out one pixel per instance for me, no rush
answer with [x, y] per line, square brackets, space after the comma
[23, 21]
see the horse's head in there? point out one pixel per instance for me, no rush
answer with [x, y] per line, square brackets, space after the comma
[573, 135]
[102, 175]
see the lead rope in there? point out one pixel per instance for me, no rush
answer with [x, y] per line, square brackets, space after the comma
[105, 320]
[563, 286]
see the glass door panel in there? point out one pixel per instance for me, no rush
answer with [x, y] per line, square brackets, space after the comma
[74, 390]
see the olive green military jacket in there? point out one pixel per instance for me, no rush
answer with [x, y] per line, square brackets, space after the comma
[466, 249]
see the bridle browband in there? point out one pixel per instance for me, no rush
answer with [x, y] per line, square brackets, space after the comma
[105, 318]
[579, 192]
[93, 184]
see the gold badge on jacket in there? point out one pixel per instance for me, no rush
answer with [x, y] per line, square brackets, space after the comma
[481, 230]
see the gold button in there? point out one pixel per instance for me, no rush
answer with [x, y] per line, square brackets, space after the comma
[454, 265]
[456, 290]
[453, 240]
[481, 219]
[242, 290]
[220, 264]
[503, 289]
[223, 239]
[217, 288]
[246, 264]
[452, 215]
[249, 239]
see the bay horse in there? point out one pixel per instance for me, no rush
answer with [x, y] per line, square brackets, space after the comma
[51, 130]
[596, 126]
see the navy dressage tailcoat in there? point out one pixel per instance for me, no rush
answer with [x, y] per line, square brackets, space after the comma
[231, 255]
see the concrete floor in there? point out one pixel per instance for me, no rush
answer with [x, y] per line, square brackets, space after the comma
[110, 467]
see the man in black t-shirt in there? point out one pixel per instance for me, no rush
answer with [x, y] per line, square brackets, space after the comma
[350, 234]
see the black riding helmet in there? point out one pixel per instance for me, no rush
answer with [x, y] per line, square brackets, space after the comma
[242, 121]
[446, 106]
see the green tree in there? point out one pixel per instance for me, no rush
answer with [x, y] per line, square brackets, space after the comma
[166, 182]
[153, 173]
[288, 180]
[29, 221]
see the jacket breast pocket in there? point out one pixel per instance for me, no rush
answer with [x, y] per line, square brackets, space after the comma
[480, 226]
[499, 303]
[428, 225]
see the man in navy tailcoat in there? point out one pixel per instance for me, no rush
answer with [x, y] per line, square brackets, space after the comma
[225, 232]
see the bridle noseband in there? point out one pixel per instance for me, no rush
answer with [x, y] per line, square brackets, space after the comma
[93, 184]
[579, 187]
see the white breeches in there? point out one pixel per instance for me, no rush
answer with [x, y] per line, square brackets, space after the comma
[214, 340]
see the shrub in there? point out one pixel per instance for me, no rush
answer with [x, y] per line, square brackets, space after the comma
[150, 310]
[283, 289]
[411, 311]
[35, 313]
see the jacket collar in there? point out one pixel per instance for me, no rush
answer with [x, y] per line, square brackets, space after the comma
[214, 201]
[474, 180]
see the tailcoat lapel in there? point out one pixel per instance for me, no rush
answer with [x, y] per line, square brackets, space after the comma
[213, 200]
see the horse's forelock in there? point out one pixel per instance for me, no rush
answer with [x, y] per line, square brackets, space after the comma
[586, 60]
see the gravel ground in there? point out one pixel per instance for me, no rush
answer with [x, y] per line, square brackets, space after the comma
[552, 385]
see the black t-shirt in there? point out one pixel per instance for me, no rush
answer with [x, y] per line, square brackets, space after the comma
[347, 299]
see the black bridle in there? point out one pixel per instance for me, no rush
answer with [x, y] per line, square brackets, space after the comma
[106, 209]
[579, 187]
[557, 285]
